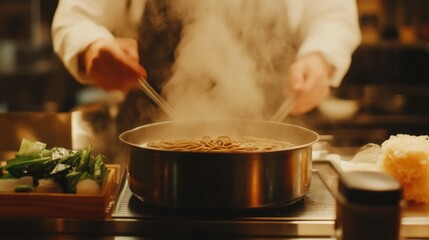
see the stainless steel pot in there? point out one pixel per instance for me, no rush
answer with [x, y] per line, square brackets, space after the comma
[224, 181]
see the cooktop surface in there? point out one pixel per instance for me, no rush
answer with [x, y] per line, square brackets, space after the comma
[313, 215]
[316, 205]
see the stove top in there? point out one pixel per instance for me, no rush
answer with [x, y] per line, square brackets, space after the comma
[316, 205]
[312, 216]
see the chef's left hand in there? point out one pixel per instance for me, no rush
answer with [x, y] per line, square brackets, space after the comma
[309, 79]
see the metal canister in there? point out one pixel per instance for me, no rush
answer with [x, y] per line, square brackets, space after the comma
[368, 206]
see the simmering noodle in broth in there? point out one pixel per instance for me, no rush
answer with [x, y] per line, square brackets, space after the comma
[221, 144]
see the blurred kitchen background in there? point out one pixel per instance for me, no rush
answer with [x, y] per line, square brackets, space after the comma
[385, 92]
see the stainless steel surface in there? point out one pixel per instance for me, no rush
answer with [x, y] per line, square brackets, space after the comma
[216, 180]
[311, 216]
[317, 205]
[314, 215]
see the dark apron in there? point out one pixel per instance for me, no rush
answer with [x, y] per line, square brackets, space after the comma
[159, 35]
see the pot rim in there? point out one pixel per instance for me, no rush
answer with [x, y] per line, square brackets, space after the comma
[123, 135]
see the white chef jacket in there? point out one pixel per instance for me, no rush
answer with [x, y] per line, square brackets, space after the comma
[329, 26]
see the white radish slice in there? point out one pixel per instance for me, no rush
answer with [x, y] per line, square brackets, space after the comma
[87, 186]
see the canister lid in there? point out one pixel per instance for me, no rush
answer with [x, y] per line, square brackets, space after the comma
[368, 187]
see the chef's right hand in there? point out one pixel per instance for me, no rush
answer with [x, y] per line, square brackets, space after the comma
[113, 64]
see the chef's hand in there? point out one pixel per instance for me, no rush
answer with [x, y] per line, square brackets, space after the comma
[309, 78]
[113, 64]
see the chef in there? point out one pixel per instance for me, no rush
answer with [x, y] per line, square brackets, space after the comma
[209, 58]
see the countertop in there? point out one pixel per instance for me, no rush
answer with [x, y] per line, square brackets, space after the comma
[76, 129]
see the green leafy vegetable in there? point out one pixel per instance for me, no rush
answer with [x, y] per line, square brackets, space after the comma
[65, 166]
[30, 148]
[37, 167]
[84, 159]
[99, 172]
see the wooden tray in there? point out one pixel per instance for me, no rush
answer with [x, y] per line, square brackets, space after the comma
[54, 205]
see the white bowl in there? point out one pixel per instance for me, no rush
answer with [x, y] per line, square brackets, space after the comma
[338, 109]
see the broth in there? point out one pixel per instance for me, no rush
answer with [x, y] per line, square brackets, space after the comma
[220, 144]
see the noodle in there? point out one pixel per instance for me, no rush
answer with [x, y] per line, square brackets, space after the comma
[221, 144]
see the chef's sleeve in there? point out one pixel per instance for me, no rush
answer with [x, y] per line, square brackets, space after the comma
[332, 28]
[77, 24]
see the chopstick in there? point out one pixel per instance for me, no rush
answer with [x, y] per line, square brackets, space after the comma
[152, 94]
[284, 109]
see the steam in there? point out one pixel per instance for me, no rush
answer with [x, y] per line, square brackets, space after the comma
[232, 59]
